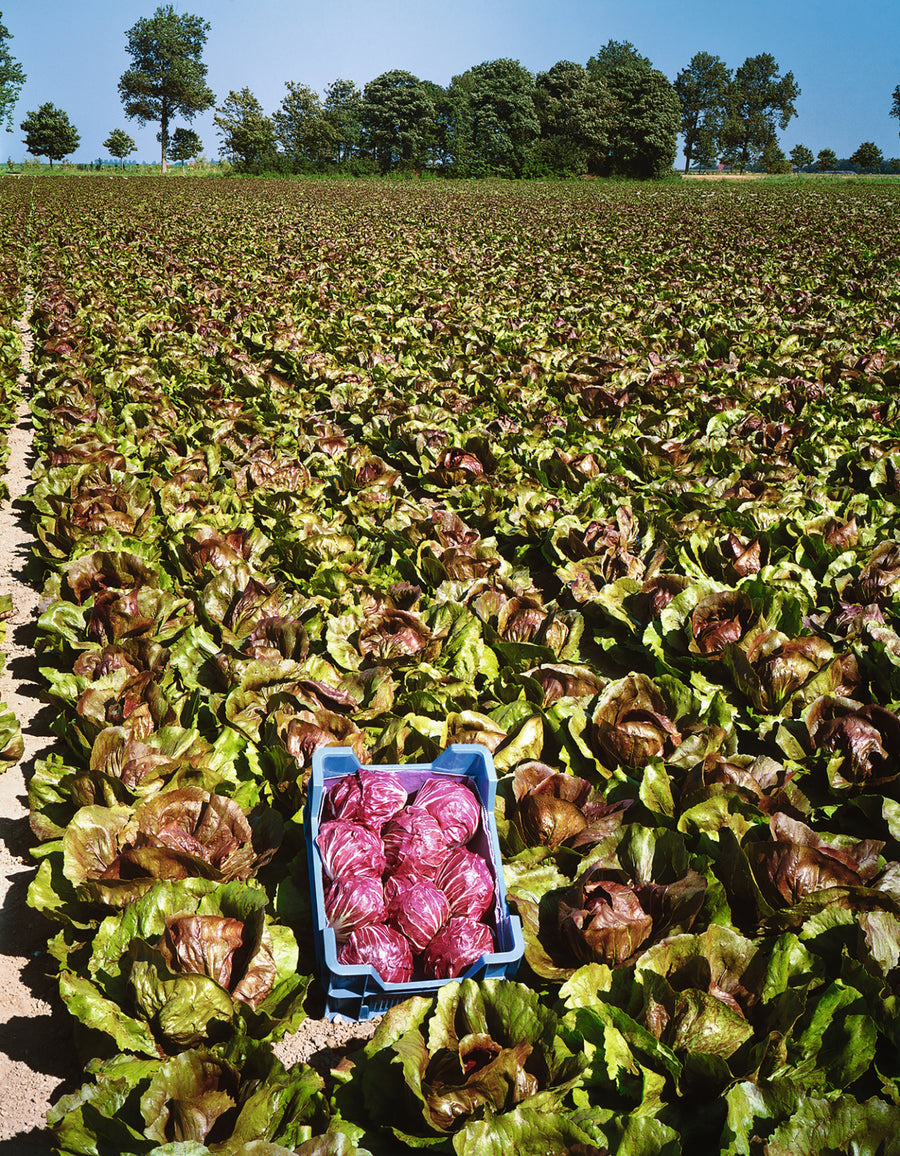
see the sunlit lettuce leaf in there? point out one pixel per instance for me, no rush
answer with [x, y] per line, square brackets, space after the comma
[474, 1054]
[193, 959]
[239, 1099]
[115, 854]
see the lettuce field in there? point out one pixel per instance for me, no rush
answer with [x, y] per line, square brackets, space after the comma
[604, 477]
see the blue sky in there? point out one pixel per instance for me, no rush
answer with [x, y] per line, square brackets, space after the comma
[844, 56]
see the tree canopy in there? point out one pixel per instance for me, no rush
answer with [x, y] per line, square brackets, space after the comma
[615, 115]
[759, 100]
[646, 113]
[168, 76]
[395, 115]
[702, 88]
[302, 129]
[801, 156]
[574, 108]
[248, 135]
[502, 117]
[341, 109]
[184, 145]
[49, 133]
[119, 145]
[12, 77]
[867, 156]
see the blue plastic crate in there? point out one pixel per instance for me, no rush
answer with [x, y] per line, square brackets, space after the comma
[359, 993]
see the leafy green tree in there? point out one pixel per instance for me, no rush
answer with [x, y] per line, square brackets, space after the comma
[49, 133]
[868, 156]
[167, 77]
[305, 134]
[617, 54]
[574, 109]
[248, 135]
[504, 121]
[438, 154]
[759, 101]
[773, 159]
[453, 127]
[119, 145]
[184, 145]
[702, 88]
[12, 77]
[801, 156]
[341, 109]
[826, 160]
[646, 116]
[895, 102]
[396, 115]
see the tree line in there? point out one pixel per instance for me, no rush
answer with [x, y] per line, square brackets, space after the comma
[614, 115]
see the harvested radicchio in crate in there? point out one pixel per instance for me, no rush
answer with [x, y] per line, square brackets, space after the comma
[379, 946]
[397, 885]
[352, 903]
[419, 911]
[455, 947]
[368, 797]
[466, 880]
[349, 850]
[404, 828]
[414, 843]
[453, 805]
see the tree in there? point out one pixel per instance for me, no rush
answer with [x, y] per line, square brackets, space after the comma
[773, 159]
[826, 160]
[248, 135]
[646, 116]
[301, 128]
[119, 144]
[341, 108]
[396, 115]
[502, 121]
[450, 145]
[868, 156]
[617, 54]
[184, 146]
[759, 100]
[49, 133]
[895, 102]
[11, 78]
[801, 156]
[167, 77]
[573, 109]
[702, 88]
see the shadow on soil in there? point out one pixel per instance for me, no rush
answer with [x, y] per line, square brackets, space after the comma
[44, 1042]
[23, 935]
[37, 1142]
